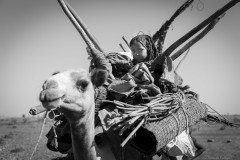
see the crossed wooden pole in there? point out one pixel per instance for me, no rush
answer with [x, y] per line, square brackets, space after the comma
[93, 45]
[80, 26]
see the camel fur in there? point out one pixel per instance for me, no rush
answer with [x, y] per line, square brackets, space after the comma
[72, 93]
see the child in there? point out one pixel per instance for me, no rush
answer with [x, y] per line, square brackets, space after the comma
[144, 50]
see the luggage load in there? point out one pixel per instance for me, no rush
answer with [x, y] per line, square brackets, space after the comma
[149, 127]
[149, 110]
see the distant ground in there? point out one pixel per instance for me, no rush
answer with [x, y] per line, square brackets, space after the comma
[18, 137]
[225, 143]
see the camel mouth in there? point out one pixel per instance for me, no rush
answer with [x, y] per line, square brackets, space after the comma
[51, 99]
[52, 104]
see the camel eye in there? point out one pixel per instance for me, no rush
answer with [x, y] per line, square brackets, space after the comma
[82, 84]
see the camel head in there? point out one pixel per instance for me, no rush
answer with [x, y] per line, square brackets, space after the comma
[71, 92]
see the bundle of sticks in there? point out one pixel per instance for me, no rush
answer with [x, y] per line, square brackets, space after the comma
[158, 108]
[168, 113]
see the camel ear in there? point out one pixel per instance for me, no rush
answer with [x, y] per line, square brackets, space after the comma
[99, 76]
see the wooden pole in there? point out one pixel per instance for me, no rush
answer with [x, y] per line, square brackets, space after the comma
[76, 24]
[218, 13]
[124, 39]
[37, 110]
[84, 27]
[122, 47]
[182, 60]
[180, 41]
[197, 38]
[160, 35]
[85, 37]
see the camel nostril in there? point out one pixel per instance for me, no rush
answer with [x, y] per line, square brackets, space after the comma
[51, 84]
[50, 94]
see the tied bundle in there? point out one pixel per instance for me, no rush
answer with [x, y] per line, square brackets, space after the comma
[135, 116]
[150, 126]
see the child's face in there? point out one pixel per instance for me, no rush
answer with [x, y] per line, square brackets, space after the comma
[139, 52]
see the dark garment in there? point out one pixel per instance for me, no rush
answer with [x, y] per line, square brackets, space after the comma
[121, 64]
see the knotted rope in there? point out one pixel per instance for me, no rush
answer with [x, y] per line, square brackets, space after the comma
[40, 135]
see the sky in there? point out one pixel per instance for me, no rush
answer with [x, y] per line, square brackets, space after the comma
[37, 39]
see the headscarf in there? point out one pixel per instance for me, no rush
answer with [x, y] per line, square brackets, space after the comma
[147, 42]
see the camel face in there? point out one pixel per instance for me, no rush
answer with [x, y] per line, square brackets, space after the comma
[71, 92]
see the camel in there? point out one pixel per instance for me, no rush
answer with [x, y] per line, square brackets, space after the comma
[72, 93]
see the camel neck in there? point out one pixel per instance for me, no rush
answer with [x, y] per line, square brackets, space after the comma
[83, 137]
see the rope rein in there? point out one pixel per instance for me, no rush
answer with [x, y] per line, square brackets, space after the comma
[40, 135]
[216, 119]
